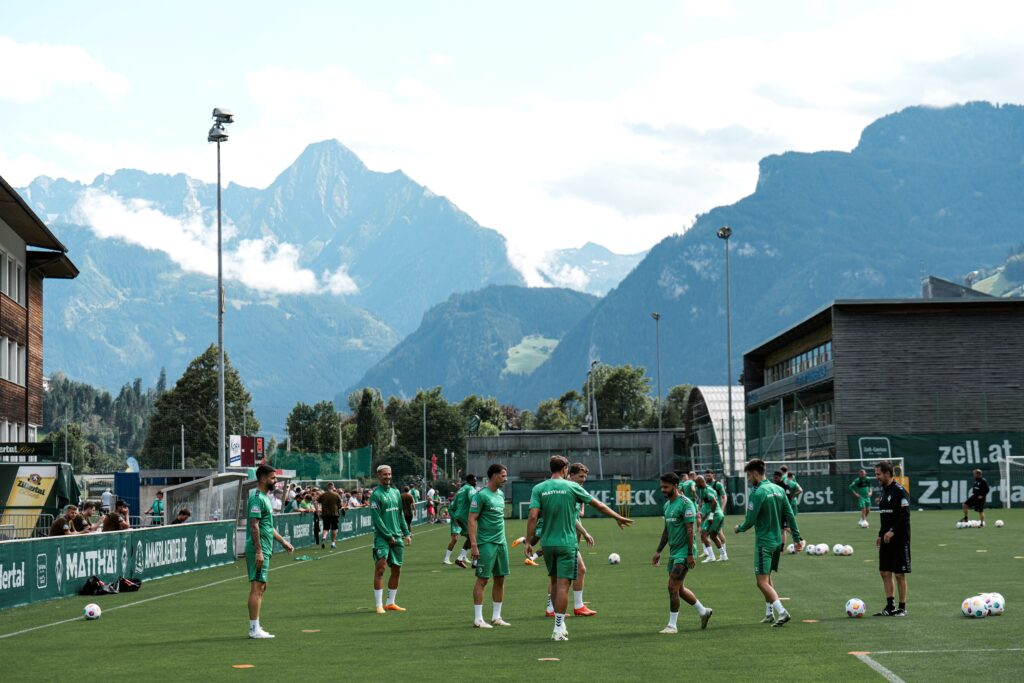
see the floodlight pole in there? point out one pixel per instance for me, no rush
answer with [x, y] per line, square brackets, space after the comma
[597, 426]
[657, 347]
[221, 457]
[724, 233]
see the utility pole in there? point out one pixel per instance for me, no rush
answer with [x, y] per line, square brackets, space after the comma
[657, 347]
[66, 437]
[597, 426]
[182, 447]
[341, 448]
[724, 233]
[424, 443]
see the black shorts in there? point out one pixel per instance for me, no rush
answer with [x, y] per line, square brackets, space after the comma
[330, 522]
[976, 504]
[408, 521]
[894, 557]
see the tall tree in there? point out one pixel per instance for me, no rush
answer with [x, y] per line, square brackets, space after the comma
[301, 426]
[446, 427]
[192, 403]
[488, 410]
[623, 396]
[372, 426]
[550, 416]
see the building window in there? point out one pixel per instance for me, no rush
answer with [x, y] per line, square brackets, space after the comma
[21, 286]
[33, 433]
[22, 369]
[12, 362]
[819, 355]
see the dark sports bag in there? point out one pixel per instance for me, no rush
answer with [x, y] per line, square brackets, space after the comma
[128, 585]
[93, 586]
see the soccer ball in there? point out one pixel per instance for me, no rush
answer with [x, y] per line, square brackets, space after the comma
[855, 608]
[837, 549]
[974, 607]
[92, 611]
[961, 524]
[995, 603]
[975, 524]
[823, 548]
[614, 558]
[999, 524]
[863, 524]
[847, 550]
[811, 549]
[791, 549]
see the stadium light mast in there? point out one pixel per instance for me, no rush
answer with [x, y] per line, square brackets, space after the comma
[657, 351]
[724, 233]
[597, 427]
[217, 134]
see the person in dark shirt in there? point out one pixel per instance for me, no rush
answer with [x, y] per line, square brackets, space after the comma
[976, 501]
[408, 502]
[182, 517]
[65, 524]
[83, 522]
[118, 519]
[893, 540]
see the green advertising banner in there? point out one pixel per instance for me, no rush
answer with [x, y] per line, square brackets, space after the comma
[940, 466]
[297, 528]
[43, 568]
[821, 493]
[643, 497]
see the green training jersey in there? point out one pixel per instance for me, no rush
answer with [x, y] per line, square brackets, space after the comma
[386, 513]
[557, 500]
[678, 513]
[259, 507]
[459, 509]
[158, 508]
[689, 489]
[415, 494]
[489, 507]
[719, 490]
[768, 505]
[862, 486]
[705, 496]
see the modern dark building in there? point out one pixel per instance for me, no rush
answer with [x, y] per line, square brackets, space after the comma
[29, 253]
[924, 379]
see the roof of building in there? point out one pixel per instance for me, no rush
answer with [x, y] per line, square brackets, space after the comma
[716, 398]
[24, 221]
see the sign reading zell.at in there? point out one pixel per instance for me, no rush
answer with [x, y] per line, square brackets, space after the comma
[26, 452]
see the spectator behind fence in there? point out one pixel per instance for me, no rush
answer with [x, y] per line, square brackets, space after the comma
[65, 524]
[156, 510]
[353, 499]
[182, 517]
[83, 522]
[407, 505]
[118, 519]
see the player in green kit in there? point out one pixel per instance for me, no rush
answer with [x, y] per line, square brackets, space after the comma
[390, 536]
[554, 500]
[488, 547]
[688, 486]
[458, 512]
[713, 517]
[861, 490]
[680, 516]
[766, 507]
[259, 544]
[723, 501]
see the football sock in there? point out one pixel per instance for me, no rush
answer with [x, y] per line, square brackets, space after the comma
[903, 605]
[551, 607]
[708, 551]
[534, 557]
[701, 609]
[392, 592]
[890, 603]
[768, 609]
[577, 599]
[254, 625]
[559, 620]
[778, 606]
[448, 556]
[478, 612]
[673, 618]
[462, 554]
[496, 613]
[378, 597]
[723, 549]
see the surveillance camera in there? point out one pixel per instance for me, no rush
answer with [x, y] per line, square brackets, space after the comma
[217, 134]
[725, 232]
[223, 115]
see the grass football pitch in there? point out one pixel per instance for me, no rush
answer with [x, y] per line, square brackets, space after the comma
[193, 626]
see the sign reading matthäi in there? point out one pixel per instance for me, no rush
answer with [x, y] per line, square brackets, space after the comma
[940, 465]
[44, 568]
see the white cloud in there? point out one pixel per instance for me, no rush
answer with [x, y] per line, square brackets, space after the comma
[654, 40]
[264, 264]
[710, 9]
[438, 59]
[32, 71]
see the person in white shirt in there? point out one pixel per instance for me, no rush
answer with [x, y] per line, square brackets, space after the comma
[107, 501]
[275, 501]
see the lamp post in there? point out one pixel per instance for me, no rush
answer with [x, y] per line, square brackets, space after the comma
[597, 427]
[724, 233]
[217, 134]
[657, 351]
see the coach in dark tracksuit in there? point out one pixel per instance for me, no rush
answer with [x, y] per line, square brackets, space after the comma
[976, 501]
[893, 540]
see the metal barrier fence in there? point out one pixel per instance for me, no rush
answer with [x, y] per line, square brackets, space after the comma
[19, 526]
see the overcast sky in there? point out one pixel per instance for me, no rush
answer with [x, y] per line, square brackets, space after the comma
[553, 122]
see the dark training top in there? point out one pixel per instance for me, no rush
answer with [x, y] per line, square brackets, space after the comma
[894, 513]
[980, 489]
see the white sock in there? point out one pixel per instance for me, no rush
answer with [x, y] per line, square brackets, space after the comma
[534, 557]
[254, 625]
[577, 599]
[551, 607]
[768, 609]
[673, 618]
[378, 597]
[709, 551]
[478, 612]
[559, 621]
[392, 592]
[462, 554]
[723, 549]
[496, 613]
[701, 609]
[778, 606]
[448, 556]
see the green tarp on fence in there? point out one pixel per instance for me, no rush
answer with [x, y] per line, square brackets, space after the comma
[352, 464]
[297, 528]
[44, 568]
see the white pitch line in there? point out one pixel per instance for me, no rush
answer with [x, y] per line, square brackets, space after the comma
[186, 590]
[886, 673]
[931, 652]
